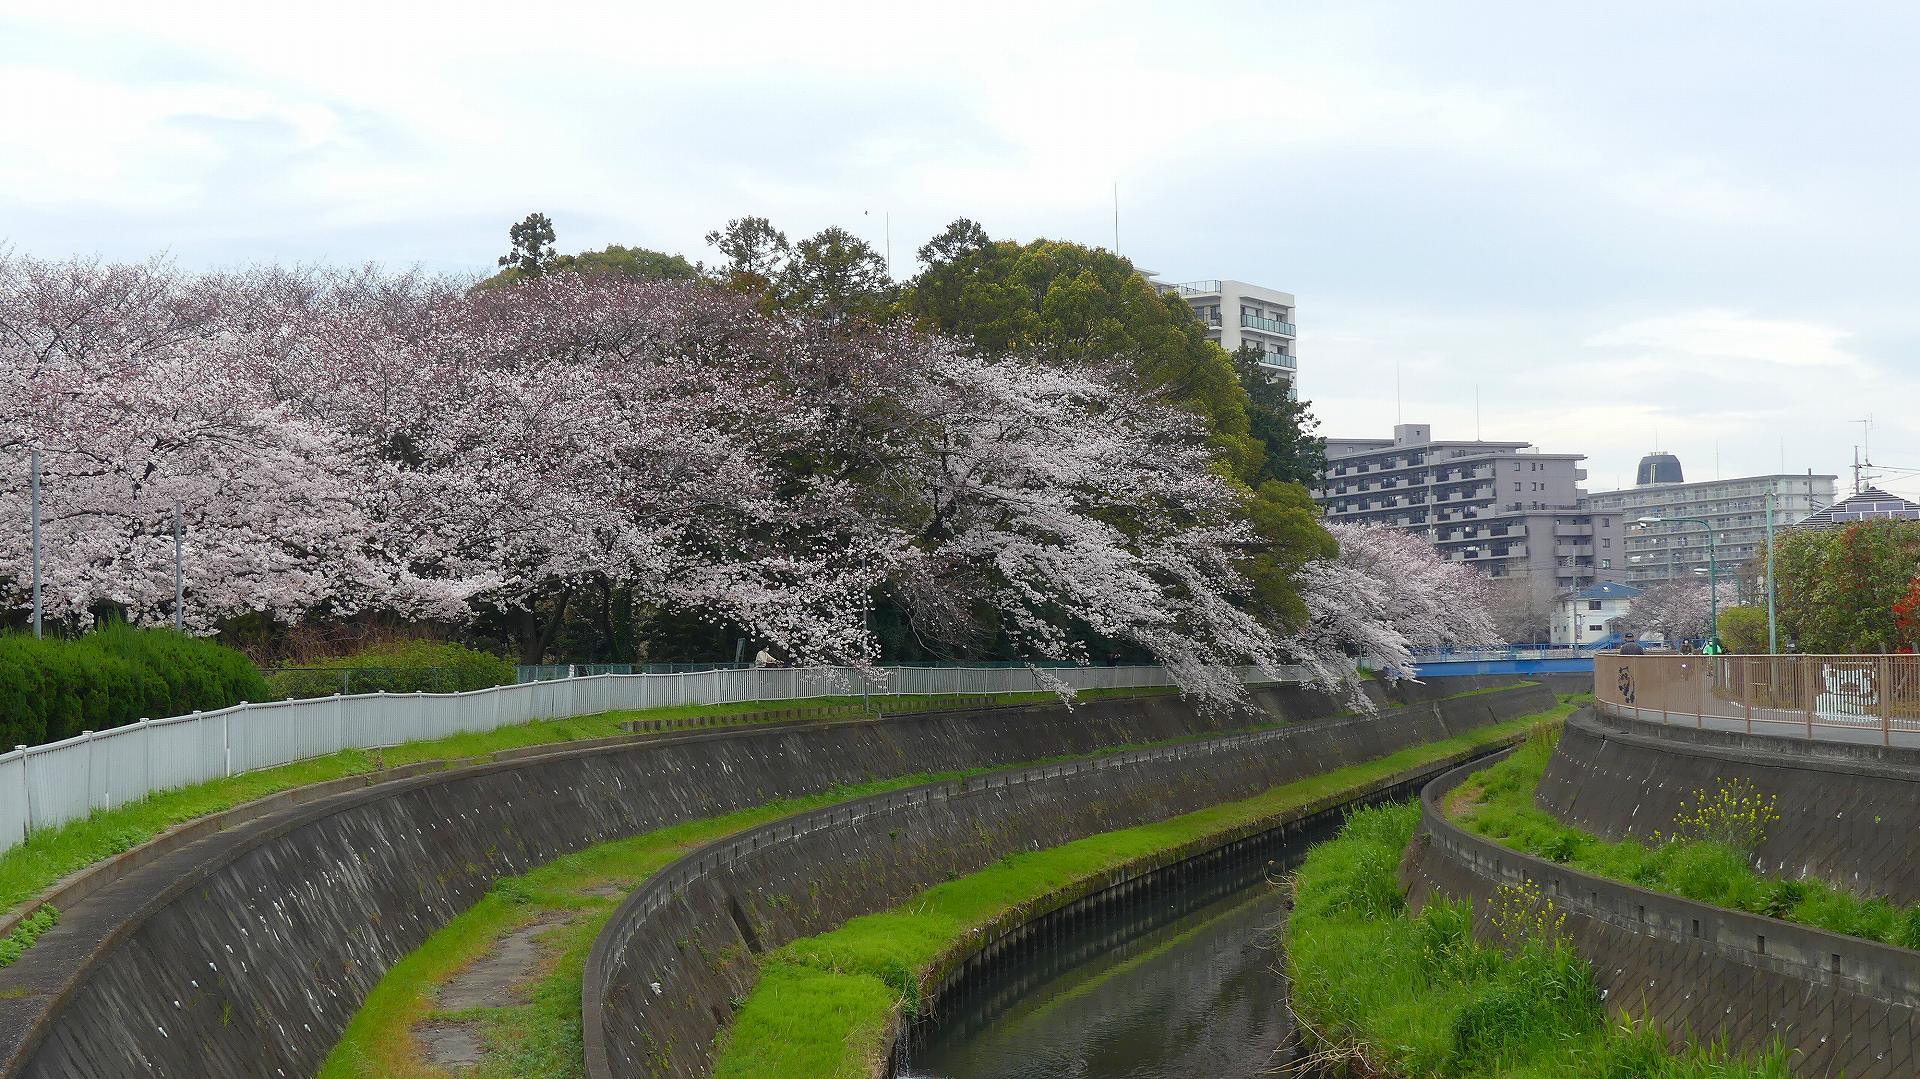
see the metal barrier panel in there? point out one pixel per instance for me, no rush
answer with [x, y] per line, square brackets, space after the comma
[52, 784]
[57, 781]
[1834, 697]
[13, 797]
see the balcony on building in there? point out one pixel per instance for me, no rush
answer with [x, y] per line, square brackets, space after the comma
[1266, 325]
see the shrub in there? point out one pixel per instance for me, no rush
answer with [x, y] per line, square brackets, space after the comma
[52, 688]
[397, 667]
[1744, 629]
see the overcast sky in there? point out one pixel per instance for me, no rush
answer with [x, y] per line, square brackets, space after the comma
[1685, 223]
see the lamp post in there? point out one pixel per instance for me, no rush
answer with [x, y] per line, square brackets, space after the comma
[1713, 575]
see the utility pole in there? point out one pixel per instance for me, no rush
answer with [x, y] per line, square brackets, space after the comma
[1773, 626]
[33, 458]
[179, 575]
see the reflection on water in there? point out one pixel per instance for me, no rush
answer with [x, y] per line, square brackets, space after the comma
[1169, 993]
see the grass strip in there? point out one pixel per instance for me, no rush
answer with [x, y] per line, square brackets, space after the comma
[31, 867]
[824, 1004]
[1499, 804]
[1379, 991]
[540, 1036]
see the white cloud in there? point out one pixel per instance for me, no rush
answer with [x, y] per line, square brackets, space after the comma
[1729, 340]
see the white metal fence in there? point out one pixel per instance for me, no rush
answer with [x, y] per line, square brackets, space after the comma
[46, 786]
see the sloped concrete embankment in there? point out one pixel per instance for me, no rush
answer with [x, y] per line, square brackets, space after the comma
[1845, 1006]
[664, 973]
[1848, 813]
[245, 952]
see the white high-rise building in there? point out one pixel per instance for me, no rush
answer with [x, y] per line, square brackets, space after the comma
[1237, 314]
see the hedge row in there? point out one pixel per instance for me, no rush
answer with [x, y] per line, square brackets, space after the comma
[399, 667]
[52, 689]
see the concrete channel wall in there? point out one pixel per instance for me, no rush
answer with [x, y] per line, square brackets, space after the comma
[1844, 1006]
[244, 952]
[665, 971]
[1848, 813]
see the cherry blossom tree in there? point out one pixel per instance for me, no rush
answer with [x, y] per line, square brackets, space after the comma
[351, 440]
[1676, 609]
[1388, 594]
[130, 381]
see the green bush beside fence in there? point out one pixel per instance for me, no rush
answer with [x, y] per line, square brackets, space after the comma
[400, 667]
[52, 688]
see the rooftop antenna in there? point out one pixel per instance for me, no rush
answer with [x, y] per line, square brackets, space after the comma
[1863, 462]
[1476, 412]
[1397, 417]
[1716, 458]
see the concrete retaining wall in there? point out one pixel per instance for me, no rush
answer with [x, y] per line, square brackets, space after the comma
[245, 952]
[663, 974]
[1845, 1006]
[1848, 813]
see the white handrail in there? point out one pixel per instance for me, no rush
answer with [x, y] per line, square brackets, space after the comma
[49, 785]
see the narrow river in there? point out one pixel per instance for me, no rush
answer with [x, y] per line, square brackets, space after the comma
[1185, 990]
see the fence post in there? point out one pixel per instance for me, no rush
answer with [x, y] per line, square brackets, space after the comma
[226, 738]
[1806, 691]
[146, 755]
[26, 794]
[1883, 687]
[88, 735]
[1746, 693]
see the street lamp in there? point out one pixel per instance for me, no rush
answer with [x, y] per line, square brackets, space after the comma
[1713, 575]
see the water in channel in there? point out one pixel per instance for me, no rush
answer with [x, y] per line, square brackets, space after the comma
[1190, 986]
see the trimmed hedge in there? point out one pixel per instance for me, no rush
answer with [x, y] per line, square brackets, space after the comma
[399, 667]
[52, 689]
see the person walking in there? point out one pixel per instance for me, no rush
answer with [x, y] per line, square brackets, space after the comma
[1632, 647]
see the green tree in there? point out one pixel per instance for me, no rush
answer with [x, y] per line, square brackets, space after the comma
[532, 251]
[1744, 629]
[1078, 304]
[755, 253]
[1285, 426]
[836, 274]
[1074, 303]
[1837, 588]
[616, 260]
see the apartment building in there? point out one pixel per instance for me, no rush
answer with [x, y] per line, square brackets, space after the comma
[1237, 313]
[1504, 508]
[1735, 509]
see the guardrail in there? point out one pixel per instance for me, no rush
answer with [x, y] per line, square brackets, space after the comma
[49, 785]
[1859, 699]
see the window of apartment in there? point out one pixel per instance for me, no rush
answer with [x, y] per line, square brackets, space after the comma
[1594, 629]
[1606, 563]
[1593, 605]
[1606, 541]
[1516, 486]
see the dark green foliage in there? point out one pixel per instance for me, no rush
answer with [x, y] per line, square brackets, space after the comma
[532, 252]
[52, 689]
[1838, 587]
[398, 667]
[1295, 452]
